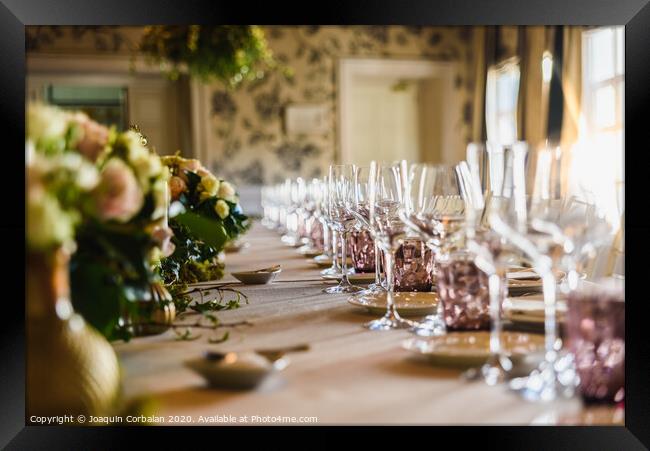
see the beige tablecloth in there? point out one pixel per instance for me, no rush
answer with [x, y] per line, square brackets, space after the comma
[350, 376]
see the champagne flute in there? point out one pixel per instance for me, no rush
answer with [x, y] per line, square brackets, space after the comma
[340, 197]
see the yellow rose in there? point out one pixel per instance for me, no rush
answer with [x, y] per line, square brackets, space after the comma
[210, 184]
[222, 209]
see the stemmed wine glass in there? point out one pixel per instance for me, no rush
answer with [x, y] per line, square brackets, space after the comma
[330, 236]
[536, 231]
[507, 195]
[360, 210]
[309, 209]
[340, 198]
[434, 210]
[291, 192]
[385, 198]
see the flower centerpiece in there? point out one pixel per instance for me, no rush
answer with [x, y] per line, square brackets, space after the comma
[120, 223]
[70, 367]
[206, 215]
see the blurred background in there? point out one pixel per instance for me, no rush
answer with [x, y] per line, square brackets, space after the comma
[357, 93]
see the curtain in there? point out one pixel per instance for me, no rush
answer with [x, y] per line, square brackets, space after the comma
[481, 40]
[572, 89]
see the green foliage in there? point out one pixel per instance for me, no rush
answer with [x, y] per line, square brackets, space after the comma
[226, 53]
[109, 274]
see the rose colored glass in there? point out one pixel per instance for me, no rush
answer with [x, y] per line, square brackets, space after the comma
[596, 334]
[362, 250]
[317, 235]
[463, 292]
[302, 226]
[413, 266]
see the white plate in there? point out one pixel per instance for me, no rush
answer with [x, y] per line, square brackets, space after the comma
[530, 309]
[365, 277]
[407, 303]
[468, 349]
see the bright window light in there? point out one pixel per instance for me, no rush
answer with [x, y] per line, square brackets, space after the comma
[502, 93]
[598, 156]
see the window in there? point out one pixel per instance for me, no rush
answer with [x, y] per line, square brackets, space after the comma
[603, 79]
[598, 156]
[501, 102]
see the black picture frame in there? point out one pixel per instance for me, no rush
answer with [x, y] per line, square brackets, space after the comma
[634, 14]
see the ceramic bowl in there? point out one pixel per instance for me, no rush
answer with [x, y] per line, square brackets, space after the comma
[256, 277]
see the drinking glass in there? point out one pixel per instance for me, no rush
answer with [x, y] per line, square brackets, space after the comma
[362, 248]
[433, 209]
[596, 335]
[413, 266]
[463, 292]
[340, 198]
[385, 198]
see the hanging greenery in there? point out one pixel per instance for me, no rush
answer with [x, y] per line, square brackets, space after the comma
[226, 53]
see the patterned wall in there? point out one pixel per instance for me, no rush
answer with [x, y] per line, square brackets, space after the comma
[245, 140]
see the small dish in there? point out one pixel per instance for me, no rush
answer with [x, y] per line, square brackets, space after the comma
[243, 370]
[259, 277]
[471, 349]
[407, 303]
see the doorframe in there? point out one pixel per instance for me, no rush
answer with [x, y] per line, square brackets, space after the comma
[348, 68]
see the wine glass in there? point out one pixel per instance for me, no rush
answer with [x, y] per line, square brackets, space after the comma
[433, 209]
[536, 231]
[361, 212]
[291, 218]
[309, 209]
[507, 193]
[385, 198]
[340, 198]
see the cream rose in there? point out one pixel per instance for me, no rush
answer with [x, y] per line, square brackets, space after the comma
[118, 195]
[222, 209]
[46, 123]
[226, 191]
[47, 224]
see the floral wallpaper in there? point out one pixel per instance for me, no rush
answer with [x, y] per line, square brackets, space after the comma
[245, 138]
[248, 142]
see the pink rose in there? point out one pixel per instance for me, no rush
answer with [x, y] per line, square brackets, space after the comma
[118, 195]
[177, 186]
[95, 137]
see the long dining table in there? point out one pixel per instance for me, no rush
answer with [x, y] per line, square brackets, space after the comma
[349, 375]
